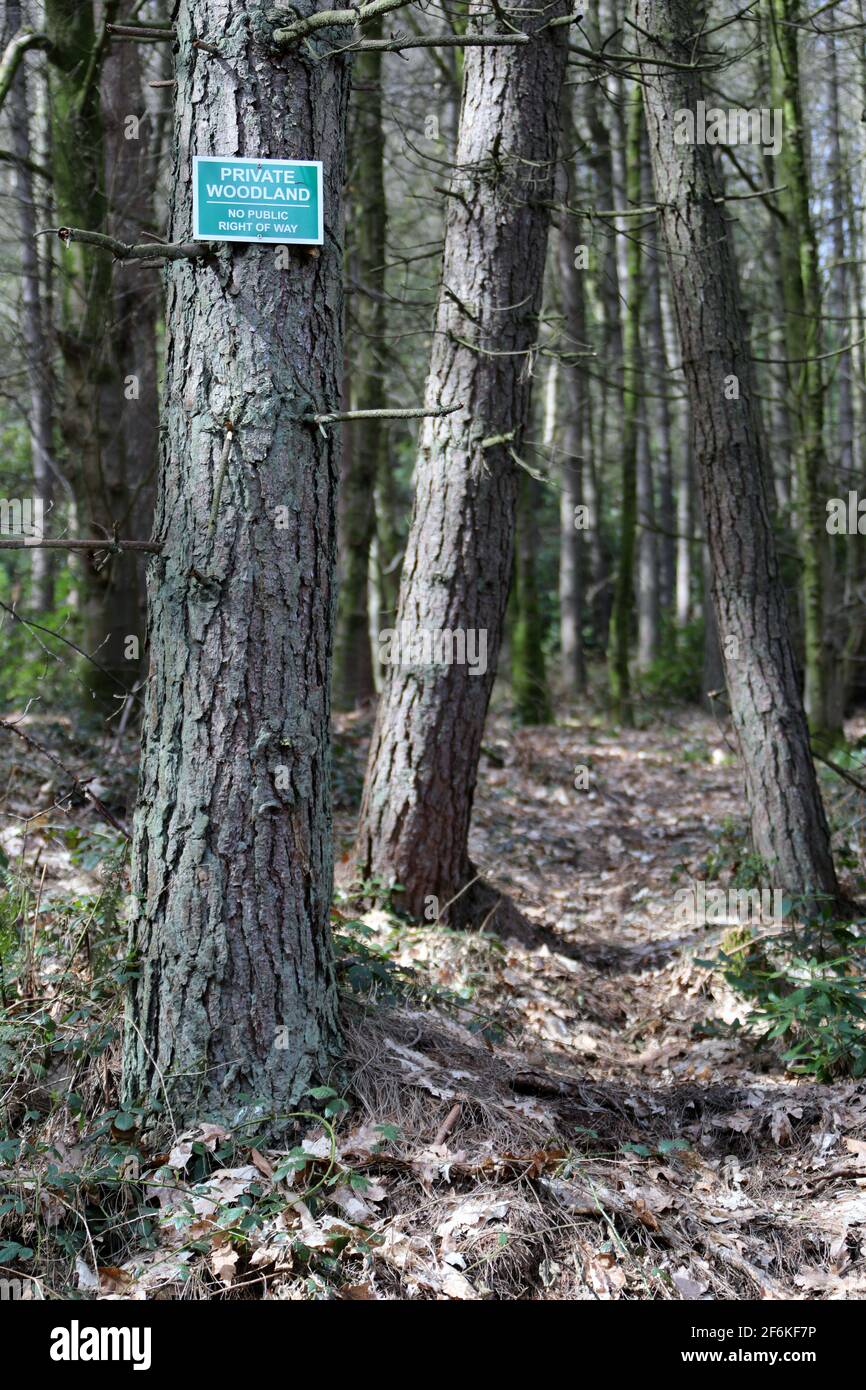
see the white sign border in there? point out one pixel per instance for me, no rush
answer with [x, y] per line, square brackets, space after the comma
[258, 240]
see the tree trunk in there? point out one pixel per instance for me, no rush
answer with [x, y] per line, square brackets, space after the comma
[576, 445]
[424, 755]
[846, 610]
[528, 666]
[129, 407]
[802, 287]
[659, 411]
[77, 156]
[651, 443]
[789, 827]
[33, 324]
[648, 615]
[353, 662]
[623, 599]
[605, 266]
[234, 993]
[713, 667]
[685, 526]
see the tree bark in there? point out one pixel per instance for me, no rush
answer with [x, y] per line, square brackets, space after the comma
[78, 169]
[33, 322]
[129, 406]
[845, 609]
[659, 411]
[424, 755]
[608, 421]
[789, 827]
[576, 441]
[234, 992]
[651, 444]
[528, 665]
[648, 612]
[685, 527]
[353, 662]
[621, 617]
[803, 326]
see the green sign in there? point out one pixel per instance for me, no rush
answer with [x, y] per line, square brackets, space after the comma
[276, 200]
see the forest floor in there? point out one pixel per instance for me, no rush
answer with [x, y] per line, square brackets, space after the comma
[685, 1161]
[571, 1118]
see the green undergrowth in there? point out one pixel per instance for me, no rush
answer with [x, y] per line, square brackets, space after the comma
[802, 978]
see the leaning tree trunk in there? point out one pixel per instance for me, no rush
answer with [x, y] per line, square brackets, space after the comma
[424, 755]
[789, 827]
[234, 991]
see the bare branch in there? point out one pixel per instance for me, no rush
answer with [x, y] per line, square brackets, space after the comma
[412, 414]
[428, 41]
[15, 49]
[9, 157]
[122, 251]
[354, 17]
[33, 626]
[327, 19]
[24, 543]
[35, 746]
[152, 33]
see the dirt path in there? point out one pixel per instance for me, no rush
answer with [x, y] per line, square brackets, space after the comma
[701, 1169]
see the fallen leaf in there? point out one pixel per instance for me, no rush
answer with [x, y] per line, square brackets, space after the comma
[223, 1262]
[688, 1287]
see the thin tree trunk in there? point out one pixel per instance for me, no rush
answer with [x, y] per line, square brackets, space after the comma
[129, 406]
[576, 433]
[648, 616]
[659, 412]
[623, 600]
[713, 667]
[353, 662]
[77, 154]
[608, 422]
[685, 526]
[33, 322]
[846, 612]
[528, 665]
[650, 444]
[789, 827]
[802, 286]
[234, 993]
[424, 755]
